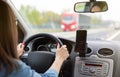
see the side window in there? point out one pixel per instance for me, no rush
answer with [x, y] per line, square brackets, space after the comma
[21, 34]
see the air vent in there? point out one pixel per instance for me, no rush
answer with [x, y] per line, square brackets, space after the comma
[88, 51]
[26, 49]
[105, 52]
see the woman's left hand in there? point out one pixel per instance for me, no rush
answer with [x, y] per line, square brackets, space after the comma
[20, 49]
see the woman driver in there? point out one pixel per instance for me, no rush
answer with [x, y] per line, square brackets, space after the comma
[10, 65]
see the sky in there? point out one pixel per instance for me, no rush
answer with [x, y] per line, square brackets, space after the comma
[112, 13]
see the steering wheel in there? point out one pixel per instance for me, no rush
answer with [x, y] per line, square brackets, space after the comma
[40, 60]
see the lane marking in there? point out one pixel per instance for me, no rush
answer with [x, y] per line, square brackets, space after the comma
[112, 37]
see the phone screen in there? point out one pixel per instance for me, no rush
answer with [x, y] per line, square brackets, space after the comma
[80, 45]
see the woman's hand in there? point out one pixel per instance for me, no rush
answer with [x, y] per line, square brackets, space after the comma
[62, 52]
[20, 49]
[61, 55]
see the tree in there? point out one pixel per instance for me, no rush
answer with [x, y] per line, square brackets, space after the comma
[96, 20]
[35, 17]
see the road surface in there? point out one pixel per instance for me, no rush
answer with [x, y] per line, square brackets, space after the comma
[93, 34]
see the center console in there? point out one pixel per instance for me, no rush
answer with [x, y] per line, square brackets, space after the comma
[93, 67]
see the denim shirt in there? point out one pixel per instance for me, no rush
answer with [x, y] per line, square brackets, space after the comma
[26, 71]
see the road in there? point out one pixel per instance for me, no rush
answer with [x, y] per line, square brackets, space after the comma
[94, 34]
[115, 36]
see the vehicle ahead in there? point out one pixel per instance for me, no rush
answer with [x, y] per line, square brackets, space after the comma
[102, 47]
[69, 21]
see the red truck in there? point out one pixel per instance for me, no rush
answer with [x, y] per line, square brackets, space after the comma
[68, 21]
[74, 21]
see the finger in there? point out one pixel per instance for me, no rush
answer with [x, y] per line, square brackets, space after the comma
[19, 45]
[64, 46]
[58, 45]
[23, 45]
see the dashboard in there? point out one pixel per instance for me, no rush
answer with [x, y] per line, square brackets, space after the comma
[46, 44]
[100, 56]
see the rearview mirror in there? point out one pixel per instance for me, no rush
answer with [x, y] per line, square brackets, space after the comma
[84, 7]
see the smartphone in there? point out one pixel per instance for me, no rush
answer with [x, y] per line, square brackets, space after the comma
[81, 45]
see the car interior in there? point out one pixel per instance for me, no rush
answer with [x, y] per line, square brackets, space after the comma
[88, 58]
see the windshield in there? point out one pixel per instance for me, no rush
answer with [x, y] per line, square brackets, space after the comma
[47, 16]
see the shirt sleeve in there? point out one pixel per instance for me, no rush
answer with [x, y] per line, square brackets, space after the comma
[26, 71]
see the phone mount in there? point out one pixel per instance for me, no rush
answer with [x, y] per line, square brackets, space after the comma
[81, 45]
[92, 0]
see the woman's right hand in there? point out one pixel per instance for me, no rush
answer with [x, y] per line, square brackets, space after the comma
[61, 55]
[62, 52]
